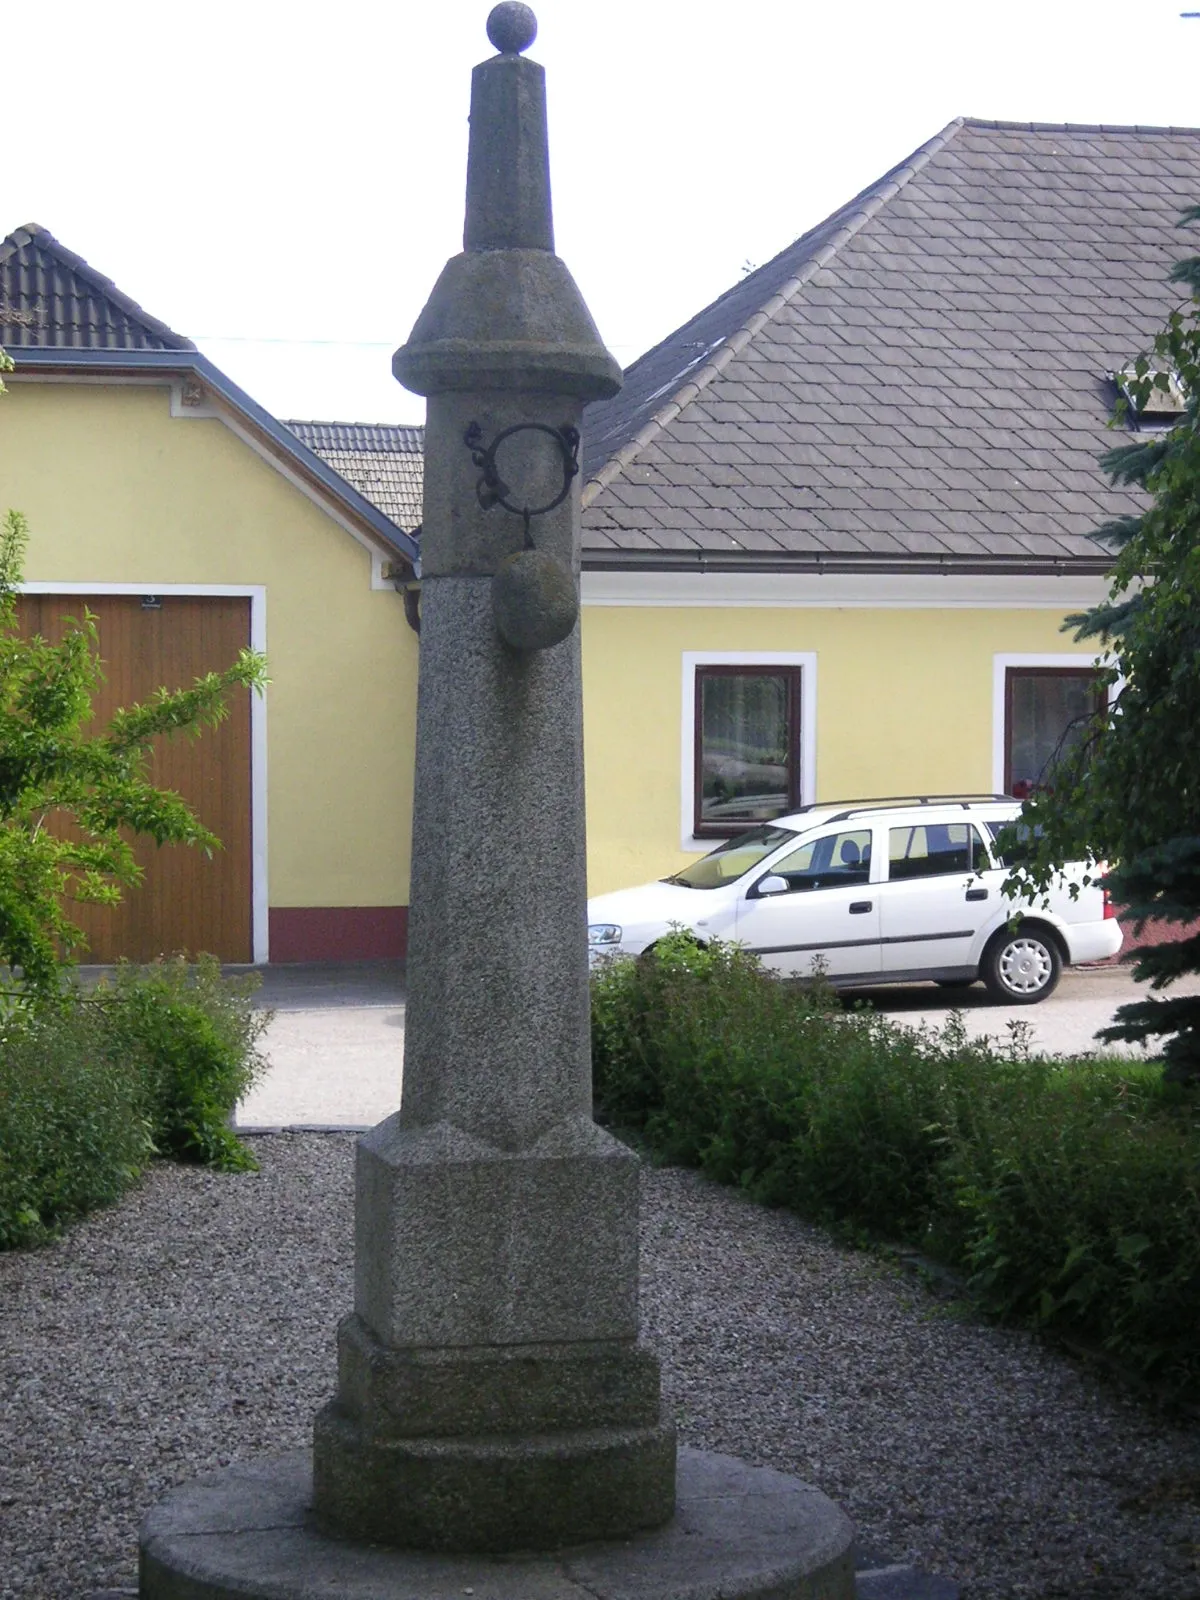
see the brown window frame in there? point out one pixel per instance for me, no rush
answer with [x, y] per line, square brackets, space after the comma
[1011, 674]
[728, 830]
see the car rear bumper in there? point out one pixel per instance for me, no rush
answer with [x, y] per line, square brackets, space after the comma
[1093, 941]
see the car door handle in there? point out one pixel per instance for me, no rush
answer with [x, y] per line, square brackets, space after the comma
[977, 894]
[859, 906]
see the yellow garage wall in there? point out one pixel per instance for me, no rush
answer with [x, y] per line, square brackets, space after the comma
[118, 491]
[904, 706]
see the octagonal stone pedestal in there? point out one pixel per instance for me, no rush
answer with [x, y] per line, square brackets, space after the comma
[739, 1532]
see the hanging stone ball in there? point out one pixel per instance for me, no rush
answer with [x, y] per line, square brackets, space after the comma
[533, 600]
[511, 27]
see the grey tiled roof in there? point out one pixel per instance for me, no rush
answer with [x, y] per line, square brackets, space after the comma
[383, 462]
[921, 378]
[49, 296]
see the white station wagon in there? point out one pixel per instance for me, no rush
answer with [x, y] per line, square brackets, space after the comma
[881, 891]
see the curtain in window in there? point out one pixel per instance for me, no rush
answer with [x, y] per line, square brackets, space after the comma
[745, 758]
[1048, 713]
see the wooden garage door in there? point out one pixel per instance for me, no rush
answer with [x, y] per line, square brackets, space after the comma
[186, 901]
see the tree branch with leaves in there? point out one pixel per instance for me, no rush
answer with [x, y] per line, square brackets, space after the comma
[52, 768]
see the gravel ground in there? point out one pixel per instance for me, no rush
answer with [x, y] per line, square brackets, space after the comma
[194, 1325]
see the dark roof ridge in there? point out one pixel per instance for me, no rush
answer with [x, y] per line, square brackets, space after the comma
[1075, 127]
[344, 422]
[883, 191]
[365, 427]
[33, 232]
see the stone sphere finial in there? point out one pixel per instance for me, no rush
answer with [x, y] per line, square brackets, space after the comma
[512, 27]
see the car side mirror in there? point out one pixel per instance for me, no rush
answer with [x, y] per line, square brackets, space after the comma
[772, 884]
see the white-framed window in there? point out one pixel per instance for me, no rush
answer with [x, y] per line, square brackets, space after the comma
[748, 739]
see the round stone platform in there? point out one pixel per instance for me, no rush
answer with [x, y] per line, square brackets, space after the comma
[739, 1532]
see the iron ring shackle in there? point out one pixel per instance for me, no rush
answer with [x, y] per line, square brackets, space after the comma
[567, 440]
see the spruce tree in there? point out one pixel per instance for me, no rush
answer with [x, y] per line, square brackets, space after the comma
[1128, 793]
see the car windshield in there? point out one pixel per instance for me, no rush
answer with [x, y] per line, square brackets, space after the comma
[732, 859]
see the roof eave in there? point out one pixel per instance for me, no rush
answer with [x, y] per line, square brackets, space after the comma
[280, 438]
[743, 561]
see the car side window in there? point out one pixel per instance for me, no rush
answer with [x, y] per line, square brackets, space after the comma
[1016, 832]
[934, 849]
[830, 862]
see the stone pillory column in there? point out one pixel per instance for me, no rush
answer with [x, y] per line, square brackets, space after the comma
[496, 1429]
[492, 1393]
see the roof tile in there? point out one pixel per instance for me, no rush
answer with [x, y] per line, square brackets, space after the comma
[385, 464]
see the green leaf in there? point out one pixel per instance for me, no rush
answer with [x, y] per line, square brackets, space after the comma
[1132, 1246]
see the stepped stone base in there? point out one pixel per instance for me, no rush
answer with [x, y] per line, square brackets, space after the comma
[530, 1447]
[743, 1533]
[495, 1494]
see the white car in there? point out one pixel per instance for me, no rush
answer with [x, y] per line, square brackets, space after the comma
[881, 891]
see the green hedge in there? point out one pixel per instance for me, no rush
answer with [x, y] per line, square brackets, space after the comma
[72, 1132]
[1068, 1193]
[191, 1036]
[150, 1063]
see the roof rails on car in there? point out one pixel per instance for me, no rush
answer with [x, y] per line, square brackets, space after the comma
[888, 802]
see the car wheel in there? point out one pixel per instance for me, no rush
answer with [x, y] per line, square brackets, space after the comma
[1022, 968]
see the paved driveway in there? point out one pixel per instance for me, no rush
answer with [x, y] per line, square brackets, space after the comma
[336, 1045]
[1066, 1024]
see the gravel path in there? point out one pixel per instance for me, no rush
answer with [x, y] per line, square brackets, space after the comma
[194, 1325]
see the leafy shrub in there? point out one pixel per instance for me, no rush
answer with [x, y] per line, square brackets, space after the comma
[96, 1083]
[1078, 1199]
[72, 1132]
[191, 1036]
[770, 1084]
[54, 761]
[1069, 1193]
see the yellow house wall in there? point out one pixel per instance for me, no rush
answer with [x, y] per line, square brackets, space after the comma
[116, 490]
[904, 706]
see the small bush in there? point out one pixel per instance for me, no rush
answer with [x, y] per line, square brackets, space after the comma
[772, 1085]
[73, 1135]
[1077, 1195]
[1068, 1193]
[95, 1083]
[191, 1036]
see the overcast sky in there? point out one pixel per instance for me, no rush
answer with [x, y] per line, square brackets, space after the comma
[282, 183]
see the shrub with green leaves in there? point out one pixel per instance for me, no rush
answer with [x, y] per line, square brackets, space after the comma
[54, 765]
[1068, 1193]
[96, 1083]
[192, 1037]
[1077, 1198]
[772, 1085]
[73, 1132]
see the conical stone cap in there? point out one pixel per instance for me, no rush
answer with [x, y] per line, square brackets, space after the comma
[506, 313]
